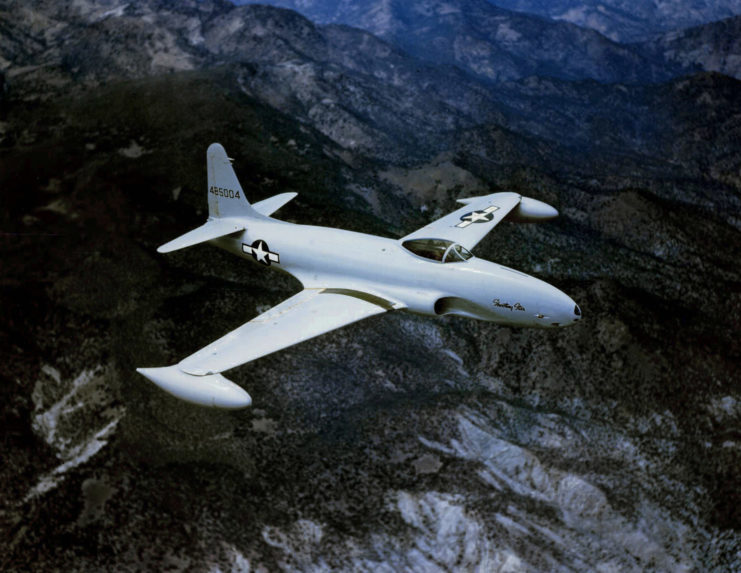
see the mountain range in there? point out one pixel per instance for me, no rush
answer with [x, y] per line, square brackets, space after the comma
[618, 20]
[497, 44]
[403, 442]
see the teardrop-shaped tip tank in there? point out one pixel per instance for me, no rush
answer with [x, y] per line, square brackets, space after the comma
[212, 390]
[531, 210]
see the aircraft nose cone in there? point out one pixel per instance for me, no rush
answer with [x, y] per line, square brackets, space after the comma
[571, 313]
[565, 311]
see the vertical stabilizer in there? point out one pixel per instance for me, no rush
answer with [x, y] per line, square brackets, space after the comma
[225, 195]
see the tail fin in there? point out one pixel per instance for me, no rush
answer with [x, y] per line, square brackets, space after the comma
[225, 195]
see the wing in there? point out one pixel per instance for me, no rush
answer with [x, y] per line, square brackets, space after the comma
[469, 224]
[303, 316]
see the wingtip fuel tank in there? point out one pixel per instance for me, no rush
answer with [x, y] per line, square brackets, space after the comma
[531, 210]
[212, 390]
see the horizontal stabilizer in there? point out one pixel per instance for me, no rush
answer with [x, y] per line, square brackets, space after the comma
[270, 205]
[212, 229]
[213, 390]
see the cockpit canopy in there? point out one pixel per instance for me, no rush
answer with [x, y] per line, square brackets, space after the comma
[439, 250]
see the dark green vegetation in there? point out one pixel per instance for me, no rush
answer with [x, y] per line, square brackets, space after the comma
[400, 441]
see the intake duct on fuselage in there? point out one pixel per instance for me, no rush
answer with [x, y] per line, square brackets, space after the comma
[458, 307]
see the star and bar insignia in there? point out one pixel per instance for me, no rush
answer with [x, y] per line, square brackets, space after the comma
[477, 217]
[261, 252]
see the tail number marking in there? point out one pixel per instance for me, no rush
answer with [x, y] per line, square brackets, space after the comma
[222, 192]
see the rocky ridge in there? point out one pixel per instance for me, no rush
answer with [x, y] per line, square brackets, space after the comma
[714, 47]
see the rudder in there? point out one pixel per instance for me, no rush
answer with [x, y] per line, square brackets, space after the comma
[225, 195]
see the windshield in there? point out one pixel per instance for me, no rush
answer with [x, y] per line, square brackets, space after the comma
[457, 253]
[439, 250]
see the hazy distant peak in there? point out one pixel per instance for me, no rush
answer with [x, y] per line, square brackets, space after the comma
[628, 20]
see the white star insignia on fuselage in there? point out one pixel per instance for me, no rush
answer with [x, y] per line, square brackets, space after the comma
[261, 252]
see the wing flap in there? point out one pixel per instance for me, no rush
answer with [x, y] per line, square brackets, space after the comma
[469, 224]
[303, 316]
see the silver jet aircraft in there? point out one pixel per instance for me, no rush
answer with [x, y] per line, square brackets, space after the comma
[349, 276]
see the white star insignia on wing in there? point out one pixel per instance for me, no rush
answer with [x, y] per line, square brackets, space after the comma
[477, 217]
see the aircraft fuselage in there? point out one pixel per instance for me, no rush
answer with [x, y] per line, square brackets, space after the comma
[368, 265]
